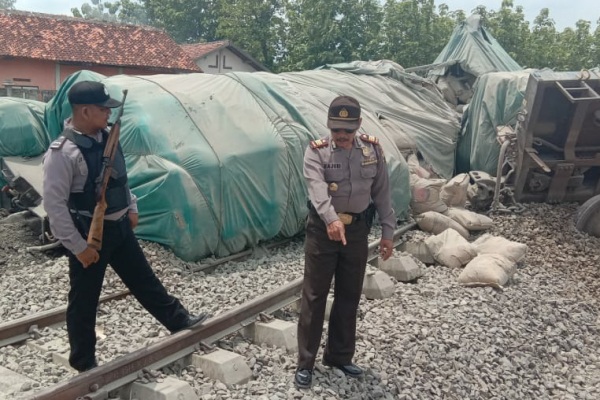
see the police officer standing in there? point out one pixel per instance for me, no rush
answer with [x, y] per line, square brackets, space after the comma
[344, 173]
[71, 166]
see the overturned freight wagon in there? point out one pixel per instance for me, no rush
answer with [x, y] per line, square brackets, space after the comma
[216, 160]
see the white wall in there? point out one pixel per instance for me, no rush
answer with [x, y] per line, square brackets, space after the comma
[223, 61]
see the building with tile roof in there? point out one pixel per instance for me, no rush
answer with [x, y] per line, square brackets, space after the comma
[221, 57]
[38, 51]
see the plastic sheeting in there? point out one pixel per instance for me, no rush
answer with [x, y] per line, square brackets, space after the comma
[497, 99]
[475, 50]
[22, 130]
[216, 160]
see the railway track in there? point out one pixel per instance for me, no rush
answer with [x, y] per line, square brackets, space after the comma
[21, 329]
[97, 383]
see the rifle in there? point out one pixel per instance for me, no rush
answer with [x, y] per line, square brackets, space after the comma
[94, 239]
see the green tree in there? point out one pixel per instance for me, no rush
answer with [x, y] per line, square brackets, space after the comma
[312, 36]
[126, 11]
[359, 26]
[542, 46]
[254, 25]
[596, 47]
[576, 48]
[413, 33]
[185, 20]
[510, 29]
[7, 4]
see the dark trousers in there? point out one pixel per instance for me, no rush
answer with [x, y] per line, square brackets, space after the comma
[122, 251]
[324, 260]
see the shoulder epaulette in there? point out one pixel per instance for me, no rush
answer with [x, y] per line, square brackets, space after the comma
[370, 139]
[319, 143]
[58, 143]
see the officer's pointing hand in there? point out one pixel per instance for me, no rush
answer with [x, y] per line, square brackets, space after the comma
[88, 257]
[337, 231]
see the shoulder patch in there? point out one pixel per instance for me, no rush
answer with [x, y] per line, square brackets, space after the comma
[58, 143]
[369, 139]
[319, 143]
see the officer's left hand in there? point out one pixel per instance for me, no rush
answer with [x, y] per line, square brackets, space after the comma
[385, 248]
[133, 219]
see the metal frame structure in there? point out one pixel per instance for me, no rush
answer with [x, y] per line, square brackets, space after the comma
[558, 142]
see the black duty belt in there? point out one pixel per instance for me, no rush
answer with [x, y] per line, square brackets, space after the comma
[347, 218]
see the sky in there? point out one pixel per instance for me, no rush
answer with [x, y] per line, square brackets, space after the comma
[564, 12]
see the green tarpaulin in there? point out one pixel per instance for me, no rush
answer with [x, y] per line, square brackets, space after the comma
[475, 50]
[22, 130]
[497, 99]
[216, 160]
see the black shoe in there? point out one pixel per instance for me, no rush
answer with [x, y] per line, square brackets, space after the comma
[94, 365]
[303, 378]
[351, 370]
[193, 321]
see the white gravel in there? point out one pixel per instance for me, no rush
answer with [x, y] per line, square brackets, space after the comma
[433, 339]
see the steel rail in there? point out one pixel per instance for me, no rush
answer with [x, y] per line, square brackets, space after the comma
[19, 329]
[97, 382]
[124, 369]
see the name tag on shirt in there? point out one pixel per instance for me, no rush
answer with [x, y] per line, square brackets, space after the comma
[332, 166]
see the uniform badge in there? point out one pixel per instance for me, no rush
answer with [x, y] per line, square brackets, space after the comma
[333, 187]
[319, 143]
[366, 151]
[343, 113]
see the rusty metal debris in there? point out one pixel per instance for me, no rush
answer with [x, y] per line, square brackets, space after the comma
[558, 140]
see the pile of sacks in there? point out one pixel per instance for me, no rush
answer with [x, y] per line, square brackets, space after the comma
[438, 207]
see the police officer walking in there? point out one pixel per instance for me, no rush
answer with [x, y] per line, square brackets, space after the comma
[71, 166]
[344, 173]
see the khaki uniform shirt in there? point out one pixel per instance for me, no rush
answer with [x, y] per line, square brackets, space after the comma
[341, 180]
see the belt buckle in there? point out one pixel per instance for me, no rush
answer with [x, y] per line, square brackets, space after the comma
[345, 218]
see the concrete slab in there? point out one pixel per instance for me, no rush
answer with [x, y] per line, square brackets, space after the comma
[59, 348]
[378, 285]
[225, 366]
[169, 389]
[15, 386]
[277, 333]
[403, 268]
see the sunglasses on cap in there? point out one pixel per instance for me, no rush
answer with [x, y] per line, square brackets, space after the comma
[343, 130]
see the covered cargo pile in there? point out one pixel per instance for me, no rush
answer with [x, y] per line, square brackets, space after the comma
[470, 53]
[216, 160]
[22, 130]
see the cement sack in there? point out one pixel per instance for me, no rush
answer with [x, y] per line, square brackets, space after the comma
[419, 250]
[435, 223]
[454, 193]
[414, 167]
[469, 219]
[425, 195]
[487, 270]
[488, 244]
[449, 248]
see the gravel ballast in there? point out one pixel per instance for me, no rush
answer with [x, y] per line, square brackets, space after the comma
[434, 339]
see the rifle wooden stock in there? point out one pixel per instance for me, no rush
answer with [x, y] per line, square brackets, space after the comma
[94, 239]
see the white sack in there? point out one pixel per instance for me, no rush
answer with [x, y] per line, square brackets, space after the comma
[449, 248]
[454, 192]
[487, 270]
[425, 195]
[469, 219]
[488, 244]
[435, 223]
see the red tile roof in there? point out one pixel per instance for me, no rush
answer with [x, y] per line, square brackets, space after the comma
[66, 39]
[197, 50]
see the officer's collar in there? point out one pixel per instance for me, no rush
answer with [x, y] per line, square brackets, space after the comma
[357, 143]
